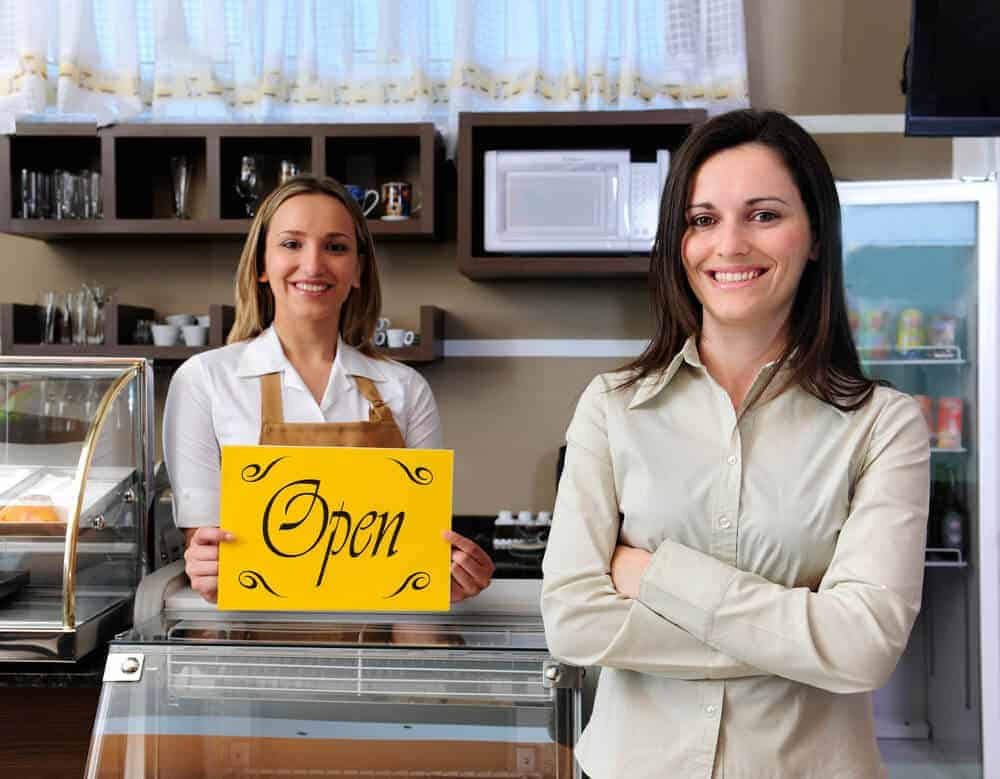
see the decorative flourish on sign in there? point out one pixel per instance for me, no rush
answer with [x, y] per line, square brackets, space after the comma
[418, 580]
[253, 472]
[421, 476]
[251, 580]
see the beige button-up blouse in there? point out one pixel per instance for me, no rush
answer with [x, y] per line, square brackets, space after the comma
[788, 549]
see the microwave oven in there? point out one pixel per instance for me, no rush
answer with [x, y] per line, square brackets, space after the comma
[594, 201]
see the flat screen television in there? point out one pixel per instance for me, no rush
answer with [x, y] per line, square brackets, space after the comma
[953, 69]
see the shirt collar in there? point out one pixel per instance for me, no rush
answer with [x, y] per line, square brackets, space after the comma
[765, 385]
[650, 386]
[264, 355]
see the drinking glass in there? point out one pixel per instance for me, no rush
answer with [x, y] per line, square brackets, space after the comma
[97, 297]
[29, 194]
[47, 317]
[80, 312]
[289, 170]
[180, 177]
[95, 195]
[248, 186]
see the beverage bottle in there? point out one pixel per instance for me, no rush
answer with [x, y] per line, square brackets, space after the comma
[951, 516]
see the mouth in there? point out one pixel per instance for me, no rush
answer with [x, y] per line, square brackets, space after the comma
[736, 277]
[311, 288]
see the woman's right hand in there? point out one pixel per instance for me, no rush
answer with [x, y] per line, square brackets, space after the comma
[201, 559]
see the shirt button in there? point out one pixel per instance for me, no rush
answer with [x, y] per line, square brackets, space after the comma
[731, 459]
[710, 710]
[724, 522]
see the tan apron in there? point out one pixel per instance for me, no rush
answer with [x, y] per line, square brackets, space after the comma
[380, 430]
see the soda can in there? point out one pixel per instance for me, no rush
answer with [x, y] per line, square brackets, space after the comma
[927, 407]
[949, 423]
[875, 343]
[942, 330]
[910, 332]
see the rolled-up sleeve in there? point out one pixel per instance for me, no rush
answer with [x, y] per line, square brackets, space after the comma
[190, 448]
[587, 622]
[848, 635]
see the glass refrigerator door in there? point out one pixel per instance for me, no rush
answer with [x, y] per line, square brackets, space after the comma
[920, 271]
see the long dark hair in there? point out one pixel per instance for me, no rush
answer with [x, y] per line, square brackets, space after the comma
[820, 351]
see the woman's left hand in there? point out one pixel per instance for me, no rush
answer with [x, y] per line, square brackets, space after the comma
[471, 568]
[628, 564]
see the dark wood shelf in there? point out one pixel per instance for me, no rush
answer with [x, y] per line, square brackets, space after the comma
[20, 334]
[431, 346]
[642, 132]
[134, 162]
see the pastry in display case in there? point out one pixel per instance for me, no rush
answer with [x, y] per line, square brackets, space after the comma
[75, 459]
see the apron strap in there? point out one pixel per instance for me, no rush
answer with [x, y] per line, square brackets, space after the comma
[379, 411]
[271, 411]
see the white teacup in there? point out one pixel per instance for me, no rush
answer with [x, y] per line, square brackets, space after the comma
[195, 335]
[203, 320]
[165, 335]
[179, 319]
[396, 338]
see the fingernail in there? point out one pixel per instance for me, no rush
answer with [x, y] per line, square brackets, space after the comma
[229, 537]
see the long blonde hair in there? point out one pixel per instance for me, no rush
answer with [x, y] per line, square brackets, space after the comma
[254, 299]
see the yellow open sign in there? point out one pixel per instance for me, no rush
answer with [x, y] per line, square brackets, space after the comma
[335, 529]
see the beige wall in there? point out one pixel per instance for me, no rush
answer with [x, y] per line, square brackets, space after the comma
[506, 417]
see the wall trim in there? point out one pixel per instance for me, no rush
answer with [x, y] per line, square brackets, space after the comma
[543, 347]
[849, 124]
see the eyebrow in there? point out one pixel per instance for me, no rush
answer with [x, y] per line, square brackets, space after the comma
[301, 232]
[751, 202]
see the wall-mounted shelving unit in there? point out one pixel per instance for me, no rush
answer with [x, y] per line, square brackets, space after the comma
[20, 335]
[134, 160]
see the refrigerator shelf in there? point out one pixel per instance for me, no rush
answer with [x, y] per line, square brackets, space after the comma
[956, 450]
[926, 355]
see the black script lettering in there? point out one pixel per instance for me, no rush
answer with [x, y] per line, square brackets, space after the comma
[383, 529]
[340, 516]
[363, 524]
[315, 498]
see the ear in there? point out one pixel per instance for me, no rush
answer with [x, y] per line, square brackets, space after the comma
[814, 252]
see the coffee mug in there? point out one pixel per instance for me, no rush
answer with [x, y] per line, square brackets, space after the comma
[380, 338]
[383, 323]
[396, 200]
[363, 195]
[409, 338]
[396, 338]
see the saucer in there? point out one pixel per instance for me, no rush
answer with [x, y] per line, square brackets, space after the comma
[394, 218]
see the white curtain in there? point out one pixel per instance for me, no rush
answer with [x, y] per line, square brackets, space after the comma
[364, 60]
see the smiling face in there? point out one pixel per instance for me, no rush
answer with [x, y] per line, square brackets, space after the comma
[748, 239]
[310, 260]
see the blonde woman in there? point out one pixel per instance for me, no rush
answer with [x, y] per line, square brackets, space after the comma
[299, 369]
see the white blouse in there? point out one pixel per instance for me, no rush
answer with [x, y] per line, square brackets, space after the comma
[214, 400]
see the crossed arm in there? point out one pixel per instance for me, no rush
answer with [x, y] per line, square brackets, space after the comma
[680, 613]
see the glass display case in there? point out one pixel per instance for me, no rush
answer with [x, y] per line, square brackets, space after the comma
[75, 460]
[205, 694]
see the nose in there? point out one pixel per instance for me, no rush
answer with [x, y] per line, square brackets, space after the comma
[732, 239]
[311, 258]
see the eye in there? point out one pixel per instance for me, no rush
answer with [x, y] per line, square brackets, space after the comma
[337, 246]
[764, 216]
[701, 220]
[290, 243]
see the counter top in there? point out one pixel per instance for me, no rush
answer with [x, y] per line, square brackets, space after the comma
[88, 672]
